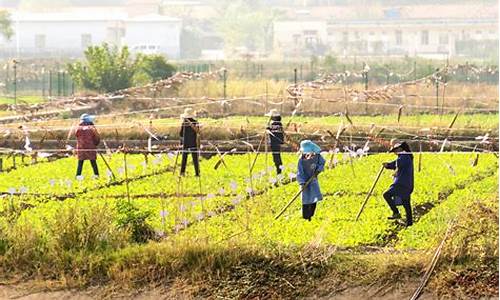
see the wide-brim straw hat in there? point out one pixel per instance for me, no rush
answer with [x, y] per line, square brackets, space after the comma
[273, 113]
[307, 146]
[188, 113]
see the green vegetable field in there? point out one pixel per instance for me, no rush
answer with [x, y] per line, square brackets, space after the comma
[227, 204]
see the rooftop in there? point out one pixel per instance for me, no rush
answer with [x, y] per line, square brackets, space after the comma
[88, 15]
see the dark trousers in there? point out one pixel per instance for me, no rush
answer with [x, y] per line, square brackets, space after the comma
[393, 198]
[93, 163]
[308, 211]
[276, 150]
[194, 154]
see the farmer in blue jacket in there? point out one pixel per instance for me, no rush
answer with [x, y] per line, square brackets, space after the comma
[311, 163]
[399, 193]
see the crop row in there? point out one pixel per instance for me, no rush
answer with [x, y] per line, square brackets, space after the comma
[334, 222]
[432, 226]
[59, 177]
[229, 210]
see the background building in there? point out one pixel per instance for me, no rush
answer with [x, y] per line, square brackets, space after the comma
[435, 31]
[70, 33]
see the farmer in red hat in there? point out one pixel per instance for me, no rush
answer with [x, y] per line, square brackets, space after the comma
[87, 139]
[399, 193]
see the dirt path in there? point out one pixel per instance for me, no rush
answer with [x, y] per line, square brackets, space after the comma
[23, 293]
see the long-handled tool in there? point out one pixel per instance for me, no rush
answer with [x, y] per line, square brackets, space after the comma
[295, 197]
[262, 140]
[176, 160]
[107, 166]
[370, 192]
[257, 152]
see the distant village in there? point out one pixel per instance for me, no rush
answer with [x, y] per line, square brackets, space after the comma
[431, 31]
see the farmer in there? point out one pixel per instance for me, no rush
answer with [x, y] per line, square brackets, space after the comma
[87, 139]
[311, 163]
[275, 130]
[189, 138]
[400, 191]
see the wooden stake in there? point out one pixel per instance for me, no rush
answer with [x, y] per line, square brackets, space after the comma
[340, 130]
[370, 192]
[126, 175]
[420, 156]
[400, 111]
[448, 131]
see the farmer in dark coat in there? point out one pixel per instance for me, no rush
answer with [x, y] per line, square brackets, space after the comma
[190, 143]
[87, 139]
[311, 163]
[400, 191]
[277, 136]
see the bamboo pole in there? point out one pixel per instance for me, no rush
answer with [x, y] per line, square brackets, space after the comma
[433, 264]
[370, 192]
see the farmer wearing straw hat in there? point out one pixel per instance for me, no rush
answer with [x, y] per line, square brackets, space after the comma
[87, 139]
[311, 163]
[400, 191]
[190, 142]
[277, 136]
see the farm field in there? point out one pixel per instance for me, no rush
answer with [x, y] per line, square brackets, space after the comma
[51, 221]
[141, 228]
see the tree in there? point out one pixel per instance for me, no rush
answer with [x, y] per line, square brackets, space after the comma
[156, 67]
[107, 69]
[246, 23]
[5, 25]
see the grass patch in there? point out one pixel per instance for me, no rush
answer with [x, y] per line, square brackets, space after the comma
[22, 100]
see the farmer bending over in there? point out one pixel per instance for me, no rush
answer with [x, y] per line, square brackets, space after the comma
[87, 139]
[277, 136]
[311, 163]
[189, 139]
[400, 191]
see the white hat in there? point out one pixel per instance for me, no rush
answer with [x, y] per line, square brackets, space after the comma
[273, 113]
[188, 113]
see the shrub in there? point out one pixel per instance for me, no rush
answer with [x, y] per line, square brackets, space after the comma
[133, 219]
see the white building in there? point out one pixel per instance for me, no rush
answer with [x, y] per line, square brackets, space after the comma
[292, 37]
[70, 33]
[425, 38]
[426, 30]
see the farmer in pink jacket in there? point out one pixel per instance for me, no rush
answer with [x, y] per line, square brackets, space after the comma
[87, 139]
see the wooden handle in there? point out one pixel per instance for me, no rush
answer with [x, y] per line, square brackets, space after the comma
[370, 192]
